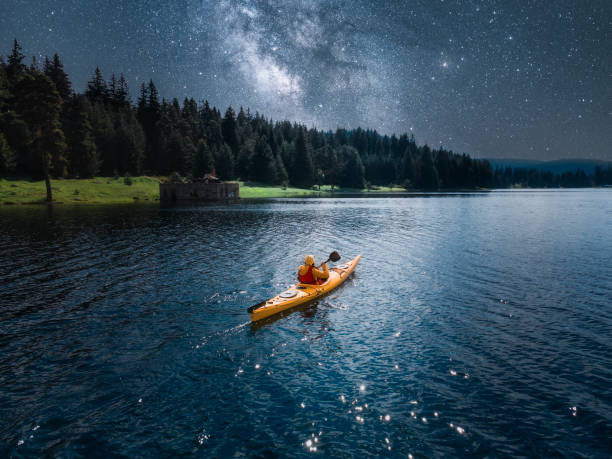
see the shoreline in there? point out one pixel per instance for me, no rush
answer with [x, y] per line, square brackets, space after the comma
[144, 190]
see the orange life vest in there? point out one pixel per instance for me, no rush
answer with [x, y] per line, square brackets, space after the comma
[308, 278]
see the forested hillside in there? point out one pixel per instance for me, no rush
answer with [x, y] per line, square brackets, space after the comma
[48, 129]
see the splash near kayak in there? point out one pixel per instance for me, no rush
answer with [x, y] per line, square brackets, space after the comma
[303, 293]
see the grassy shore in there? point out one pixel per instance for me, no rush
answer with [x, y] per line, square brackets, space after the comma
[98, 190]
[119, 190]
[254, 190]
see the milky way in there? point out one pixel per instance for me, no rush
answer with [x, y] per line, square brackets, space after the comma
[528, 79]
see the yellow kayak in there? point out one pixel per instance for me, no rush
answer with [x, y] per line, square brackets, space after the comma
[302, 293]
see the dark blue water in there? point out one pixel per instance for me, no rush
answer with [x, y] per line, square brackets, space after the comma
[475, 325]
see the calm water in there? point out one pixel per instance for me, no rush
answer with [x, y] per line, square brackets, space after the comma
[475, 325]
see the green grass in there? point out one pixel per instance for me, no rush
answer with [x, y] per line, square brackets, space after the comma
[249, 190]
[98, 190]
[108, 190]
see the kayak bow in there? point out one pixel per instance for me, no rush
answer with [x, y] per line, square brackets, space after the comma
[303, 293]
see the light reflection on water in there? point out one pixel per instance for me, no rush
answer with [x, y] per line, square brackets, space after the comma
[475, 325]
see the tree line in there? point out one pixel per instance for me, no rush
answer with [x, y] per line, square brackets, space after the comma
[49, 130]
[506, 177]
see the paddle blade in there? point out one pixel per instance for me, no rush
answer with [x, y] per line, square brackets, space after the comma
[334, 256]
[255, 306]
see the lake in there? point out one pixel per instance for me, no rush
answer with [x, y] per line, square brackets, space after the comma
[476, 324]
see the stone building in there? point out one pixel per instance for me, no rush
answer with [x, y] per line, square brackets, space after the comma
[207, 189]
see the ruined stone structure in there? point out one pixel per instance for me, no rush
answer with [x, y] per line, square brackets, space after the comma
[198, 191]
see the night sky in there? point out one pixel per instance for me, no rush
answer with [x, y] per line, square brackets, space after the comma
[521, 79]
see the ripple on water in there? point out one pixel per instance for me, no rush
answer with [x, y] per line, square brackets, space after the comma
[467, 329]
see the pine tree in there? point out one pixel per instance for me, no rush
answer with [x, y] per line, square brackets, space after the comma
[82, 153]
[203, 161]
[15, 68]
[149, 114]
[129, 142]
[243, 162]
[112, 88]
[331, 166]
[54, 69]
[143, 103]
[281, 172]
[302, 170]
[153, 99]
[442, 164]
[263, 163]
[97, 90]
[287, 154]
[241, 119]
[14, 129]
[122, 95]
[103, 130]
[8, 159]
[40, 106]
[214, 137]
[429, 174]
[175, 153]
[353, 171]
[229, 130]
[224, 162]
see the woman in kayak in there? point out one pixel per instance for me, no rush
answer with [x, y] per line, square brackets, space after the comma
[308, 274]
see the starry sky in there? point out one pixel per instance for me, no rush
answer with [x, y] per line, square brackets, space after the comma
[498, 79]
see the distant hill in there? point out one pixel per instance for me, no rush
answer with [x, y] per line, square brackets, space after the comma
[557, 166]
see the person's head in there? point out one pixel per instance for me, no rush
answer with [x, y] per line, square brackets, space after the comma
[309, 260]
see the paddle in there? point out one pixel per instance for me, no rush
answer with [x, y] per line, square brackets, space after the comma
[334, 256]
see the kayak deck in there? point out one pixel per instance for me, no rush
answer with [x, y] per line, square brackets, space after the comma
[302, 293]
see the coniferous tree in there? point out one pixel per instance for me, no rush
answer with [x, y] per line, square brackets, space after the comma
[103, 130]
[153, 98]
[442, 164]
[287, 155]
[149, 115]
[244, 160]
[129, 142]
[429, 174]
[170, 134]
[228, 129]
[203, 162]
[112, 87]
[281, 172]
[302, 169]
[97, 89]
[40, 106]
[123, 93]
[263, 163]
[142, 103]
[331, 166]
[353, 171]
[13, 127]
[214, 136]
[8, 160]
[82, 154]
[54, 69]
[175, 153]
[15, 68]
[224, 162]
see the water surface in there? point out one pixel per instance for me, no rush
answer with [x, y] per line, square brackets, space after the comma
[475, 325]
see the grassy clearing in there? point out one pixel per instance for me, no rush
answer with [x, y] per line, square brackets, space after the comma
[250, 190]
[109, 190]
[98, 190]
[256, 190]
